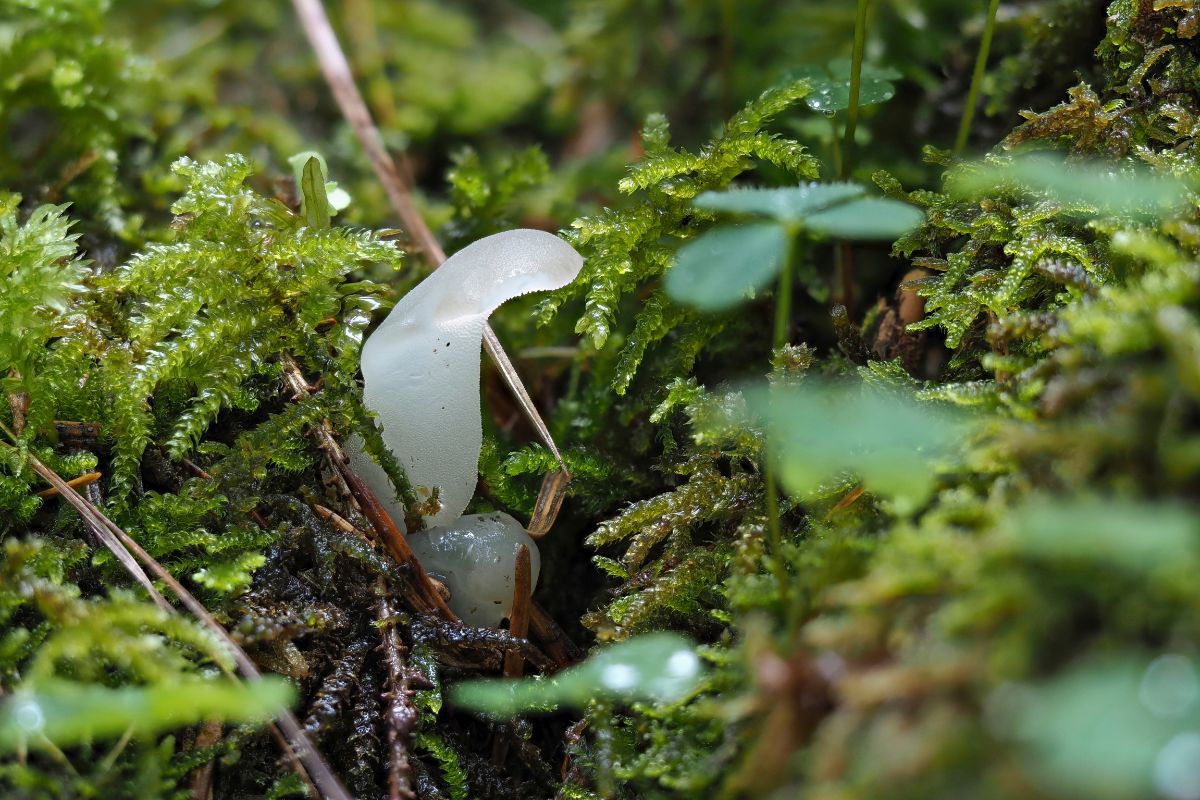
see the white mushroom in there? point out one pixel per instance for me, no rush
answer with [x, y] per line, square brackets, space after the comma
[421, 377]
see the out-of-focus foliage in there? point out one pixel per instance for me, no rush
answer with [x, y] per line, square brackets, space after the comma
[892, 443]
[1028, 632]
[719, 268]
[70, 105]
[657, 667]
[998, 610]
[64, 713]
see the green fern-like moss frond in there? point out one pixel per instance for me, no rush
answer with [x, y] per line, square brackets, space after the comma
[245, 283]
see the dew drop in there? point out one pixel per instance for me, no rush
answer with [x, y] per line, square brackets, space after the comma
[619, 677]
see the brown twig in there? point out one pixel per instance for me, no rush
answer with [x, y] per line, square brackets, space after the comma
[18, 403]
[74, 483]
[518, 625]
[397, 184]
[341, 523]
[195, 469]
[72, 171]
[200, 473]
[848, 500]
[424, 598]
[202, 776]
[549, 502]
[314, 766]
[340, 78]
[518, 621]
[83, 435]
[401, 714]
[96, 522]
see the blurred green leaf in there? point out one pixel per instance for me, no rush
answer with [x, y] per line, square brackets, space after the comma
[867, 218]
[1106, 187]
[1135, 536]
[890, 440]
[718, 268]
[831, 85]
[660, 667]
[835, 209]
[1113, 730]
[788, 205]
[67, 713]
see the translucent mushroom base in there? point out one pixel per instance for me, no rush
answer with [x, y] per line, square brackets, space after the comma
[476, 558]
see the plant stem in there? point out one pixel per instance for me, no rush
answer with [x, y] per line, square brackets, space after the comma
[775, 529]
[783, 293]
[856, 58]
[843, 288]
[985, 45]
[836, 145]
[845, 262]
[783, 316]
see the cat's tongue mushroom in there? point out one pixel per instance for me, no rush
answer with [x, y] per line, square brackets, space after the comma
[421, 367]
[421, 378]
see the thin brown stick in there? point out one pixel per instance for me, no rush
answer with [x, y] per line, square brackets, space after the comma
[511, 377]
[338, 521]
[102, 528]
[195, 469]
[340, 78]
[549, 502]
[314, 763]
[78, 434]
[95, 520]
[200, 473]
[398, 185]
[320, 773]
[518, 621]
[294, 761]
[846, 501]
[202, 776]
[427, 598]
[74, 483]
[402, 715]
[345, 526]
[73, 171]
[518, 625]
[424, 598]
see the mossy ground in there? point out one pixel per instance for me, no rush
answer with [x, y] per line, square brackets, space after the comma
[1029, 629]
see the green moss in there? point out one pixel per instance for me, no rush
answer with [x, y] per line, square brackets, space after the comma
[149, 304]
